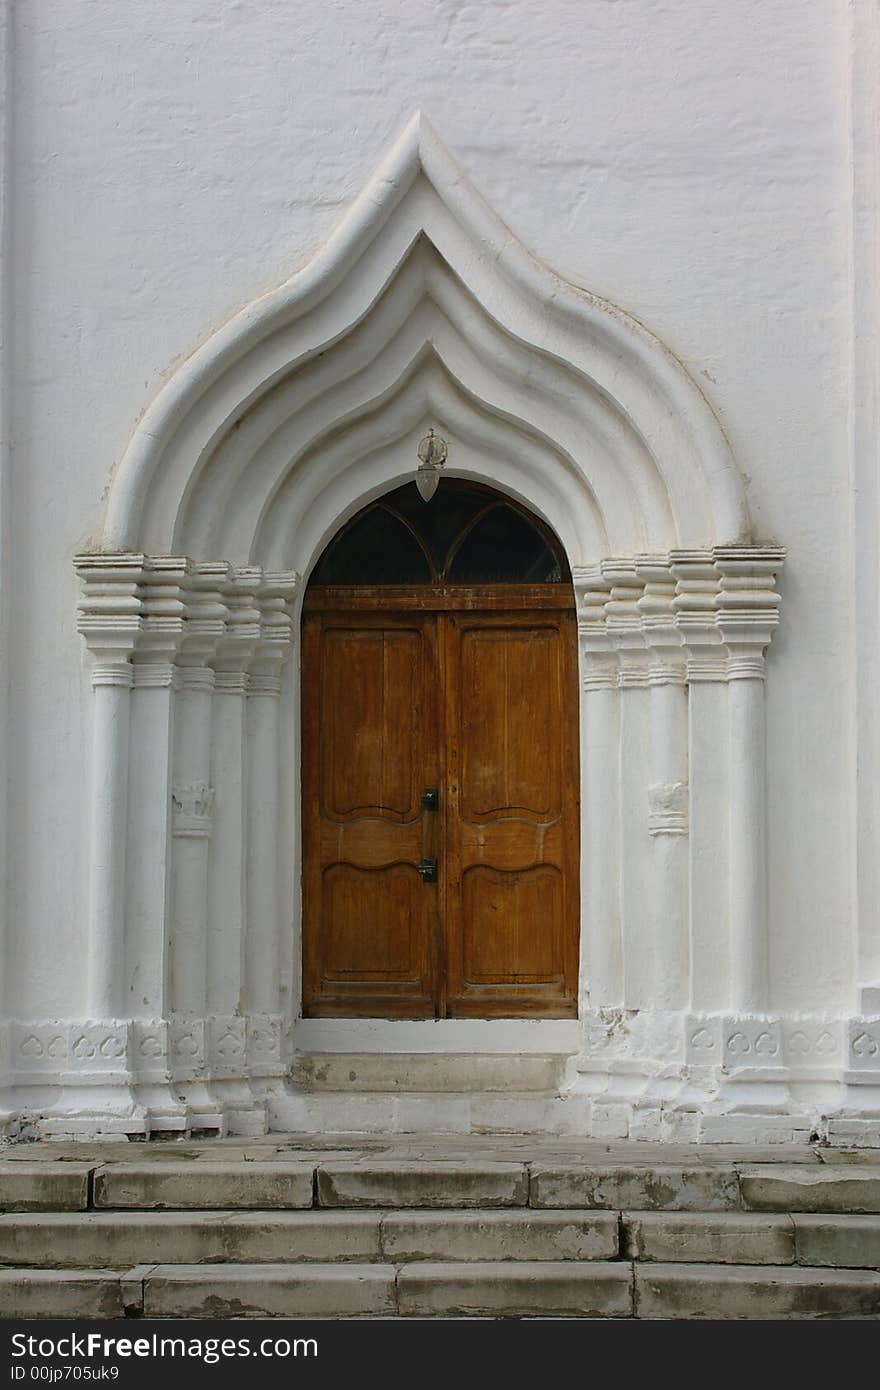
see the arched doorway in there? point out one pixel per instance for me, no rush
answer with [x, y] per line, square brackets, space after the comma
[440, 764]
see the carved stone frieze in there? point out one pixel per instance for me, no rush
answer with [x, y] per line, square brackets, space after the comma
[193, 808]
[668, 808]
[864, 1044]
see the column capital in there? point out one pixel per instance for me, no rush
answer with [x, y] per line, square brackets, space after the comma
[110, 611]
[167, 610]
[747, 605]
[701, 613]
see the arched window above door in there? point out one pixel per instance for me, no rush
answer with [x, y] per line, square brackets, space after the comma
[466, 534]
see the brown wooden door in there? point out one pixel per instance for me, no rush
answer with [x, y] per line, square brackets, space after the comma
[512, 826]
[370, 748]
[480, 705]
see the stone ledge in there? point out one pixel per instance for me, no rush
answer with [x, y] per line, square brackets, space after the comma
[619, 1188]
[829, 1188]
[204, 1185]
[413, 1184]
[270, 1290]
[725, 1237]
[525, 1289]
[754, 1291]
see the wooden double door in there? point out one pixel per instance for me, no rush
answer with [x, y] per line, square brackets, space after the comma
[440, 803]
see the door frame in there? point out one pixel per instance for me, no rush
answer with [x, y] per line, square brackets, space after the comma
[495, 601]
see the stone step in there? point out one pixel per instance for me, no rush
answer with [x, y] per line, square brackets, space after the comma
[60, 1293]
[663, 1187]
[428, 1073]
[754, 1291]
[500, 1235]
[721, 1237]
[826, 1187]
[96, 1239]
[204, 1186]
[44, 1186]
[529, 1108]
[166, 1181]
[423, 1184]
[506, 1289]
[443, 1289]
[421, 1289]
[752, 1238]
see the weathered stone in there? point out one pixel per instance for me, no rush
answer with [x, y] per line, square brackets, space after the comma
[429, 1184]
[657, 1188]
[204, 1185]
[270, 1290]
[753, 1291]
[460, 1072]
[829, 1188]
[44, 1186]
[724, 1237]
[515, 1289]
[848, 1241]
[500, 1235]
[51, 1293]
[95, 1239]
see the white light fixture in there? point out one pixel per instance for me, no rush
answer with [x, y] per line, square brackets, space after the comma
[432, 452]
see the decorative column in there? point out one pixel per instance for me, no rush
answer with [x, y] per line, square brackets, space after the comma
[110, 620]
[148, 856]
[192, 792]
[226, 885]
[668, 787]
[262, 950]
[708, 813]
[192, 802]
[746, 618]
[601, 970]
[624, 626]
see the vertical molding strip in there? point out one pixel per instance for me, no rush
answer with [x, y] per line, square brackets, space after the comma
[864, 58]
[7, 92]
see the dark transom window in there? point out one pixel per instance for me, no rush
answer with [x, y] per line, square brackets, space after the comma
[466, 534]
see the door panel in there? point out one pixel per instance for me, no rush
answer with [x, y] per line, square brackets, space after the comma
[483, 706]
[369, 750]
[506, 765]
[511, 843]
[370, 918]
[512, 926]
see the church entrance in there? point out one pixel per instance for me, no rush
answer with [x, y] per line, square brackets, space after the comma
[440, 764]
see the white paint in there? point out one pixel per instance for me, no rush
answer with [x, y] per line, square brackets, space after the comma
[688, 162]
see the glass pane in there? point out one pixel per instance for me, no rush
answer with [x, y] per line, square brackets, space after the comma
[375, 549]
[504, 547]
[441, 521]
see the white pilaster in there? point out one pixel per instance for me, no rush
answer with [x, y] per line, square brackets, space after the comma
[668, 788]
[263, 947]
[747, 616]
[601, 968]
[110, 619]
[694, 607]
[227, 853]
[148, 851]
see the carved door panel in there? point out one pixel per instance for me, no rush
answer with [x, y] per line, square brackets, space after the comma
[482, 707]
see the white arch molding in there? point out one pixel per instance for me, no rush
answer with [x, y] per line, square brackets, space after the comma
[422, 309]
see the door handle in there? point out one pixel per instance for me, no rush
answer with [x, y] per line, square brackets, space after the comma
[427, 870]
[430, 799]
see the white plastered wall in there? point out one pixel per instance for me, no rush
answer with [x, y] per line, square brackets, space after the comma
[716, 206]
